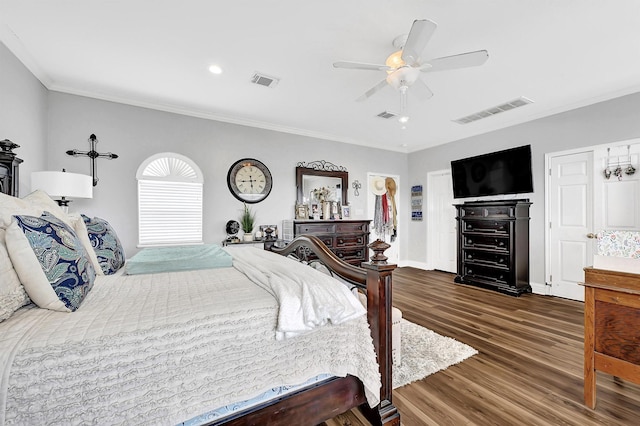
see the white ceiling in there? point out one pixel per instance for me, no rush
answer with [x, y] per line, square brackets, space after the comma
[561, 54]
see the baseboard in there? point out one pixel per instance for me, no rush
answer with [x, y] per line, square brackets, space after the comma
[418, 265]
[537, 288]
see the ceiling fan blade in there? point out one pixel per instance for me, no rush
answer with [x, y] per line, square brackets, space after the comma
[421, 90]
[361, 66]
[381, 85]
[463, 60]
[419, 36]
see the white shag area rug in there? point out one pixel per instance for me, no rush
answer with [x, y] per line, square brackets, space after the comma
[425, 352]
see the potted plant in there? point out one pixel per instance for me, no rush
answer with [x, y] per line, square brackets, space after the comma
[247, 222]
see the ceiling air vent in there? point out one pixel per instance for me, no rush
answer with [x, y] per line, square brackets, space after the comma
[386, 114]
[264, 80]
[516, 103]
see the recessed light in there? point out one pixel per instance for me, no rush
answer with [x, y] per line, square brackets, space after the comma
[404, 119]
[215, 69]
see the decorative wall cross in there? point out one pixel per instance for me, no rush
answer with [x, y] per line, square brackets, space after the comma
[93, 154]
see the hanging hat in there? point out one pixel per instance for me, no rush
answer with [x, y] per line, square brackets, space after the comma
[390, 184]
[377, 185]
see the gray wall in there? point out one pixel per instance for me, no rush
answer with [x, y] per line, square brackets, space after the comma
[23, 115]
[136, 133]
[46, 124]
[601, 123]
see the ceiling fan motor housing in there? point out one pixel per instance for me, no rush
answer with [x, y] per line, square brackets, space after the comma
[403, 77]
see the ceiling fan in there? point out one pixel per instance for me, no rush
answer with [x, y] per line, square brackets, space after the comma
[404, 66]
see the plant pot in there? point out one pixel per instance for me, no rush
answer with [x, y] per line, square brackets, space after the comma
[248, 236]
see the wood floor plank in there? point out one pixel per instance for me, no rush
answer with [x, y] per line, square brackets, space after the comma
[529, 370]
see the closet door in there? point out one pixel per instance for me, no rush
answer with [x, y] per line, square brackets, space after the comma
[571, 223]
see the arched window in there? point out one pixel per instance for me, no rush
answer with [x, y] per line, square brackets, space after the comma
[169, 201]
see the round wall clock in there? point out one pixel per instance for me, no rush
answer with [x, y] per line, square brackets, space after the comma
[249, 180]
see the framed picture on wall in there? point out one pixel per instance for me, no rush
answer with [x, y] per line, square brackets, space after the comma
[346, 212]
[302, 211]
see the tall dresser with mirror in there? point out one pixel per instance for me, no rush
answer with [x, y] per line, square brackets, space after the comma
[347, 238]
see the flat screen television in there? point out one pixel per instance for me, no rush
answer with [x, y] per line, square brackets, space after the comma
[497, 173]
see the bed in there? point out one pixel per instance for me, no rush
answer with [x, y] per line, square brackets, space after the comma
[183, 346]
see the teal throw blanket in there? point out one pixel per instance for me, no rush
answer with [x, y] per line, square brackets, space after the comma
[152, 260]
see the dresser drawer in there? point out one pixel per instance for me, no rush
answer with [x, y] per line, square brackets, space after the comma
[500, 243]
[486, 273]
[498, 260]
[352, 228]
[490, 211]
[354, 256]
[486, 226]
[350, 240]
[315, 228]
[328, 240]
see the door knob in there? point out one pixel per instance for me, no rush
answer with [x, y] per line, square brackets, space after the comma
[591, 235]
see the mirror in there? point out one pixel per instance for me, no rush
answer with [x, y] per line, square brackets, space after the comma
[317, 175]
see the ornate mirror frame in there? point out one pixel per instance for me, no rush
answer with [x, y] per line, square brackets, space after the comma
[321, 168]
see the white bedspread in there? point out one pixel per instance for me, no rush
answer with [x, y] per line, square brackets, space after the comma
[162, 348]
[307, 298]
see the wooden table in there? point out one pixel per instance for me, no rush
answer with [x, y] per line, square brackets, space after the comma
[611, 328]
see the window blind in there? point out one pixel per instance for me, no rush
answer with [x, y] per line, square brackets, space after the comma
[169, 212]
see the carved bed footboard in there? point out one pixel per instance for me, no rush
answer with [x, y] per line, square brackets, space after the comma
[327, 399]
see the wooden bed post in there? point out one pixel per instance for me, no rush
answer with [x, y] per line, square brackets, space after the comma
[379, 293]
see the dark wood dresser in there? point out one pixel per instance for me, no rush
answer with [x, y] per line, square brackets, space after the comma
[348, 239]
[493, 245]
[611, 327]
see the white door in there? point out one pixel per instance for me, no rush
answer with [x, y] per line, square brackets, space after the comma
[441, 217]
[570, 223]
[393, 252]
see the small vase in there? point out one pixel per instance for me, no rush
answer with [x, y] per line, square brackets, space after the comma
[326, 210]
[248, 236]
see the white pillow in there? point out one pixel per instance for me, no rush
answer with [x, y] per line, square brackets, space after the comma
[12, 293]
[33, 205]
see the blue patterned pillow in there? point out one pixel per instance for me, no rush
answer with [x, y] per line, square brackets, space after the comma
[106, 244]
[61, 257]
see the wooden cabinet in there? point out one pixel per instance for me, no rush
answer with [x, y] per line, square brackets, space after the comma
[493, 245]
[348, 239]
[9, 165]
[611, 327]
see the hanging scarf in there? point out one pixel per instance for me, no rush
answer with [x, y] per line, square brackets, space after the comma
[378, 221]
[385, 210]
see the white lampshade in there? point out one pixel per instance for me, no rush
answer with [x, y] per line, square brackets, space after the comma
[63, 184]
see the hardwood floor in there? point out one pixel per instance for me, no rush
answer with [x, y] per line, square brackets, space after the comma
[529, 370]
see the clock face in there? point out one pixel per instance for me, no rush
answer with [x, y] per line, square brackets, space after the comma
[232, 227]
[249, 180]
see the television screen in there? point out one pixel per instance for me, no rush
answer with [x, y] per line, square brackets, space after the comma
[502, 172]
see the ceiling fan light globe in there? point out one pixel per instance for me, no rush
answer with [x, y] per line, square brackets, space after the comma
[394, 60]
